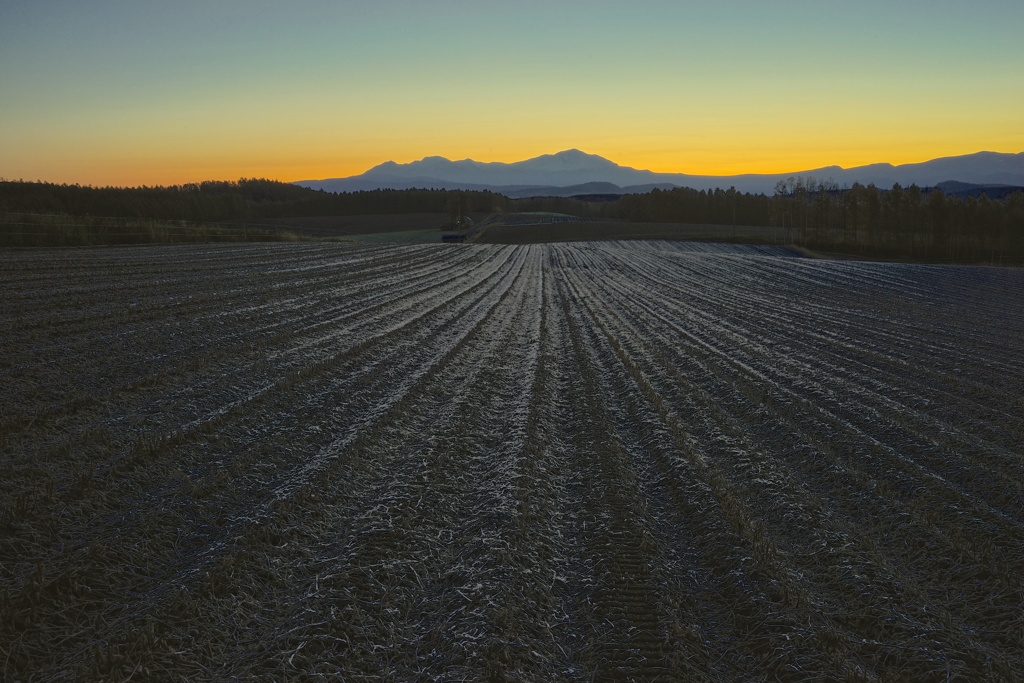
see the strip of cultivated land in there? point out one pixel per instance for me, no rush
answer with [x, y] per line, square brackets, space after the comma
[514, 229]
[588, 461]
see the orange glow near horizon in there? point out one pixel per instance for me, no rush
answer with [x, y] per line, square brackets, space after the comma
[134, 160]
[134, 169]
[171, 146]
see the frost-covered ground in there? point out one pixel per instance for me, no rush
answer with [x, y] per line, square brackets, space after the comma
[650, 461]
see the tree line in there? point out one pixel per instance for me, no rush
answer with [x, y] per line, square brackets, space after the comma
[907, 222]
[247, 199]
[926, 224]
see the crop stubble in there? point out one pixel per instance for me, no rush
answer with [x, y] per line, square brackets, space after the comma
[648, 461]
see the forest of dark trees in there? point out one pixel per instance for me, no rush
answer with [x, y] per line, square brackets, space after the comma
[900, 222]
[249, 199]
[911, 222]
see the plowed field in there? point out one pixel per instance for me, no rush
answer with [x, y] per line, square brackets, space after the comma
[590, 461]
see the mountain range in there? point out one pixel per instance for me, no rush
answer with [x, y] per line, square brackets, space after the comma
[573, 172]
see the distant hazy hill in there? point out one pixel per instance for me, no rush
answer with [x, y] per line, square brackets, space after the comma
[957, 189]
[574, 172]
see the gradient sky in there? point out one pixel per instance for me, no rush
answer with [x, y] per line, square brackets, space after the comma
[129, 92]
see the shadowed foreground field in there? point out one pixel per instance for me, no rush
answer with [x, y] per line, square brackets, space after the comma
[643, 460]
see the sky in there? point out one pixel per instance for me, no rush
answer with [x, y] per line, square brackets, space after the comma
[139, 92]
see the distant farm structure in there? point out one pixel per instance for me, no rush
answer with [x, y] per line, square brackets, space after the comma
[461, 228]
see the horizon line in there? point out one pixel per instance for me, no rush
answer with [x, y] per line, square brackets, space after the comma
[572, 149]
